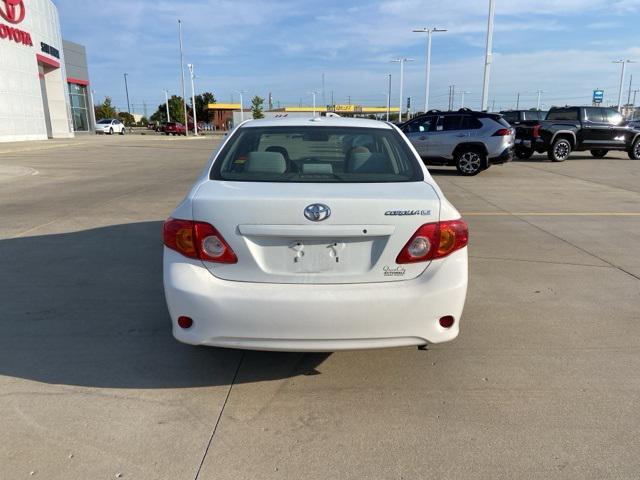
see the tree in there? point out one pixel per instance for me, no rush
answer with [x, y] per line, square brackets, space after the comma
[176, 111]
[127, 119]
[144, 121]
[256, 106]
[202, 101]
[105, 110]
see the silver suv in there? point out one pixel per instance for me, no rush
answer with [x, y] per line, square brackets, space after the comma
[470, 141]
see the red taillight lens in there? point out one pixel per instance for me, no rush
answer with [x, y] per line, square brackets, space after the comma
[435, 240]
[535, 133]
[197, 240]
[503, 132]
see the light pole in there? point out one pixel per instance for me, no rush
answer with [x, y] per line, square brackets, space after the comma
[401, 61]
[193, 100]
[389, 98]
[539, 92]
[184, 95]
[463, 93]
[624, 64]
[240, 92]
[166, 99]
[488, 58]
[126, 88]
[313, 94]
[428, 31]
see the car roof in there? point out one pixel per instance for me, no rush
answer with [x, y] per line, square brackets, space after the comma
[316, 122]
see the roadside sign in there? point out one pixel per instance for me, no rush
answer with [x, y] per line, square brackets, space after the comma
[598, 96]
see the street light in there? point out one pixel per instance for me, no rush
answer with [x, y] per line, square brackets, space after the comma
[624, 64]
[126, 87]
[193, 101]
[166, 99]
[184, 95]
[389, 98]
[539, 92]
[428, 31]
[401, 61]
[240, 92]
[488, 58]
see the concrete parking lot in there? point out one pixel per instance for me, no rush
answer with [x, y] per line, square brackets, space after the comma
[542, 383]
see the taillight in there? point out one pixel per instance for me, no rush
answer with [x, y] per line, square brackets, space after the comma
[435, 240]
[535, 133]
[197, 240]
[503, 132]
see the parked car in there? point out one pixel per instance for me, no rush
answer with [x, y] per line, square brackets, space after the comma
[470, 141]
[568, 129]
[174, 128]
[515, 117]
[110, 126]
[316, 234]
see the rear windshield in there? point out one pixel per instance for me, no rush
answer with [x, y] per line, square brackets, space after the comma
[316, 154]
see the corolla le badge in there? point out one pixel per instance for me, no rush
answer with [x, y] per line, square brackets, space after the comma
[317, 212]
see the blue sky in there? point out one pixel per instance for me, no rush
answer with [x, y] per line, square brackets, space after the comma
[563, 47]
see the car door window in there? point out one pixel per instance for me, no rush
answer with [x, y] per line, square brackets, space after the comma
[612, 117]
[450, 123]
[470, 123]
[594, 115]
[426, 124]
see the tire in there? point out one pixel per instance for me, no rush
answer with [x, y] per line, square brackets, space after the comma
[167, 133]
[470, 162]
[634, 153]
[560, 150]
[111, 131]
[524, 153]
[122, 132]
[599, 153]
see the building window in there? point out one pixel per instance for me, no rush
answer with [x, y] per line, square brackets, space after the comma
[79, 110]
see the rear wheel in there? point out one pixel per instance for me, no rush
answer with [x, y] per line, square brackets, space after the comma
[470, 162]
[634, 153]
[599, 153]
[524, 153]
[560, 150]
[111, 131]
[122, 132]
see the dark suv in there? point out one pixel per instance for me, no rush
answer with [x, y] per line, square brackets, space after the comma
[470, 141]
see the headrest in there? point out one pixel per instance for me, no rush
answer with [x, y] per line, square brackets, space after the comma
[265, 162]
[317, 169]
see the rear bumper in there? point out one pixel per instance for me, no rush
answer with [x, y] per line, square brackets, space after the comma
[504, 157]
[299, 317]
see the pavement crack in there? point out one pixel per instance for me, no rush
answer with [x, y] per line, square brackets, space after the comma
[215, 427]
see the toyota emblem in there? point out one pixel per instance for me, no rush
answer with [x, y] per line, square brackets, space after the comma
[13, 11]
[317, 212]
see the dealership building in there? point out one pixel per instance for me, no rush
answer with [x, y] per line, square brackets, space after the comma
[44, 81]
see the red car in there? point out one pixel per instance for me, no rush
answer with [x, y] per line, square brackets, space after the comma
[175, 128]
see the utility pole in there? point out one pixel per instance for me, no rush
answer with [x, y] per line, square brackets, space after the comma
[184, 95]
[401, 61]
[349, 100]
[241, 92]
[488, 58]
[332, 102]
[633, 109]
[389, 99]
[630, 84]
[193, 101]
[624, 64]
[324, 99]
[126, 87]
[518, 102]
[428, 31]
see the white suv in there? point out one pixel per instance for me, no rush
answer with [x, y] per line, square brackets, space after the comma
[316, 234]
[110, 126]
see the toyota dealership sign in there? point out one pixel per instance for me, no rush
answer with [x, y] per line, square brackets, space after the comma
[13, 12]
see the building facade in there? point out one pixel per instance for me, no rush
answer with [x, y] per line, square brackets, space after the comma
[38, 99]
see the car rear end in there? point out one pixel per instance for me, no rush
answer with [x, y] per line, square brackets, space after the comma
[499, 138]
[315, 235]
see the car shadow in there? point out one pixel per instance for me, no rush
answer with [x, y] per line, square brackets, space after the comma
[87, 308]
[442, 172]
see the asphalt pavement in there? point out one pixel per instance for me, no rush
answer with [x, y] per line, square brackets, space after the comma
[542, 383]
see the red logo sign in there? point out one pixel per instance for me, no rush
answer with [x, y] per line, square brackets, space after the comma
[13, 11]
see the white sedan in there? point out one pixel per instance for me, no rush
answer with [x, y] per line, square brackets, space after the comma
[316, 234]
[110, 126]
